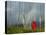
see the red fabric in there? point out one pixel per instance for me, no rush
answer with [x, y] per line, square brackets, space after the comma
[34, 26]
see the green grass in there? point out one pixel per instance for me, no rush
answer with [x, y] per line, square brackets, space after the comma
[14, 29]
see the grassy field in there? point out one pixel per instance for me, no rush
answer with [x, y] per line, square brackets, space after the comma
[13, 29]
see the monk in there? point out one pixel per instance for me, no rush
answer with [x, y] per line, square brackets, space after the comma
[34, 25]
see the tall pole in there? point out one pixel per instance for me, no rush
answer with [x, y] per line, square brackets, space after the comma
[19, 14]
[23, 16]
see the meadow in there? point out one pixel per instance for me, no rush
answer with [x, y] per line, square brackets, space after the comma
[20, 29]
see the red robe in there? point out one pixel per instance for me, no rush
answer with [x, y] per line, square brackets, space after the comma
[34, 26]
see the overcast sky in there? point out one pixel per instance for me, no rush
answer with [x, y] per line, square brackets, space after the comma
[29, 9]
